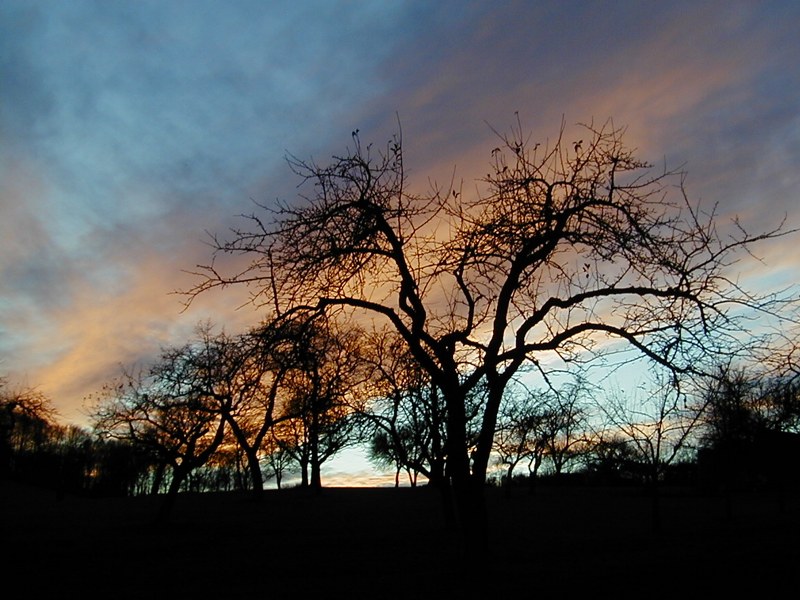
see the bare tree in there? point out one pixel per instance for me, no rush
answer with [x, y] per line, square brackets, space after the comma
[564, 425]
[608, 457]
[164, 412]
[780, 398]
[253, 381]
[657, 424]
[404, 416]
[731, 414]
[312, 437]
[520, 435]
[277, 460]
[325, 377]
[245, 375]
[568, 245]
[541, 425]
[749, 429]
[27, 419]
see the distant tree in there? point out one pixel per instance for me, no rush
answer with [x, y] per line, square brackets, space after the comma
[164, 413]
[520, 435]
[538, 425]
[404, 416]
[242, 376]
[318, 419]
[564, 425]
[780, 398]
[27, 422]
[119, 468]
[657, 424]
[311, 439]
[291, 438]
[609, 458]
[731, 413]
[277, 459]
[749, 429]
[568, 246]
[739, 403]
[78, 459]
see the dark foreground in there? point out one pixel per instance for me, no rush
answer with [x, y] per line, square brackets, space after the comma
[386, 543]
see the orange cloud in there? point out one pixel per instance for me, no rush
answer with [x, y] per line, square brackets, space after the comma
[104, 328]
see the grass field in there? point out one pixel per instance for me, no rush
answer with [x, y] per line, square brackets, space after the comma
[391, 543]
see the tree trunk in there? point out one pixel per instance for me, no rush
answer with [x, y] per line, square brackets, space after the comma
[412, 478]
[316, 475]
[256, 477]
[158, 478]
[448, 506]
[533, 474]
[509, 479]
[436, 460]
[313, 441]
[472, 520]
[436, 477]
[178, 476]
[469, 501]
[656, 506]
[304, 474]
[483, 448]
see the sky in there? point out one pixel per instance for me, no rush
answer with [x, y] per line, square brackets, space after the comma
[130, 129]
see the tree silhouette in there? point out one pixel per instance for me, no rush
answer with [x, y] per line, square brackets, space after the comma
[749, 430]
[246, 375]
[277, 459]
[656, 424]
[520, 435]
[325, 376]
[563, 249]
[564, 425]
[404, 417]
[164, 412]
[537, 424]
[27, 420]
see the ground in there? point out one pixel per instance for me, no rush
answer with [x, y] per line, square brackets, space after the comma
[391, 543]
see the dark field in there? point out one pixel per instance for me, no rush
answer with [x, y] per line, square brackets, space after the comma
[387, 543]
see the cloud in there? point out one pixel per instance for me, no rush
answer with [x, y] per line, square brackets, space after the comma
[104, 328]
[130, 128]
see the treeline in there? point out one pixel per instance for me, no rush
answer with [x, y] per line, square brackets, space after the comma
[661, 433]
[229, 412]
[36, 449]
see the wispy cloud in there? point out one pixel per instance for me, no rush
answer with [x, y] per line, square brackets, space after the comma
[127, 129]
